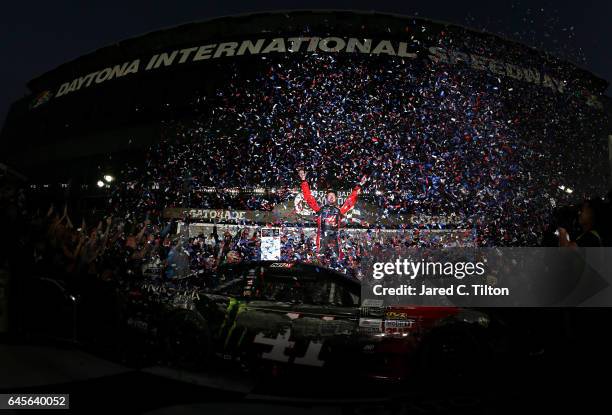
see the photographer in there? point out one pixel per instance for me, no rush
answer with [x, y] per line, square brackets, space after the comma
[590, 218]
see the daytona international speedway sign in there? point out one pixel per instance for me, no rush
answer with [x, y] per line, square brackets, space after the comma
[306, 45]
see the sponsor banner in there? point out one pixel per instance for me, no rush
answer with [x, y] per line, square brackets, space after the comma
[363, 215]
[490, 277]
[223, 215]
[206, 214]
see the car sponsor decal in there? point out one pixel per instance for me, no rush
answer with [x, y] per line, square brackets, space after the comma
[396, 315]
[372, 308]
[228, 327]
[399, 324]
[281, 265]
[282, 343]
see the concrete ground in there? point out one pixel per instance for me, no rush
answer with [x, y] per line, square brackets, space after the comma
[99, 385]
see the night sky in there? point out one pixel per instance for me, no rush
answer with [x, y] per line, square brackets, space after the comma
[38, 36]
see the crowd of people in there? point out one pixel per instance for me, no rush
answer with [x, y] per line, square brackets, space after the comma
[115, 249]
[120, 250]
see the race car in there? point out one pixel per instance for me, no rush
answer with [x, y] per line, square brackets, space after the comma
[286, 317]
[271, 316]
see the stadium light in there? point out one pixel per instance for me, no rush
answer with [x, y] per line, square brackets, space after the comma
[566, 189]
[108, 178]
[100, 183]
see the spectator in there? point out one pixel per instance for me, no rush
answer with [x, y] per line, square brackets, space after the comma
[590, 219]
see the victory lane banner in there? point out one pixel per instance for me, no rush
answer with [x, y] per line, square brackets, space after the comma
[491, 277]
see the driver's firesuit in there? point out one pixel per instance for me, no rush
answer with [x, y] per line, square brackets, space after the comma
[328, 221]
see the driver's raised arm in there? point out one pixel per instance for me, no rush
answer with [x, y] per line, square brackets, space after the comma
[352, 199]
[310, 200]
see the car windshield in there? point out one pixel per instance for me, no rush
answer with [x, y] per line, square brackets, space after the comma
[294, 290]
[263, 283]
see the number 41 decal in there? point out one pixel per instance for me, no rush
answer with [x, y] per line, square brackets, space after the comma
[281, 343]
